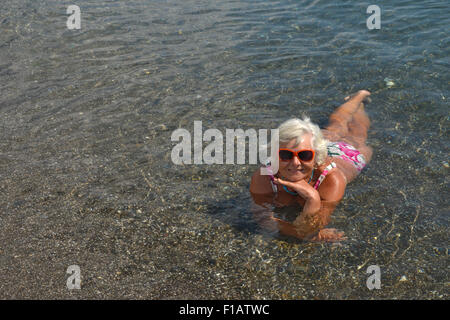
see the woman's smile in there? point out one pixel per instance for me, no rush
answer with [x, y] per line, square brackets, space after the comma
[296, 173]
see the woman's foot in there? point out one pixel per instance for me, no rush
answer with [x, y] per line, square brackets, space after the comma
[361, 94]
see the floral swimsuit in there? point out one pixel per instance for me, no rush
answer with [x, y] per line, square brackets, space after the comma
[348, 153]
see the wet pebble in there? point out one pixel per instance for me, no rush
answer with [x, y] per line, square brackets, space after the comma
[389, 82]
[161, 127]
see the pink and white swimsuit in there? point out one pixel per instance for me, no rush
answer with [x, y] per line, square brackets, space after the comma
[348, 153]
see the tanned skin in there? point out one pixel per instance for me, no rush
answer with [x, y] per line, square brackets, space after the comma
[348, 123]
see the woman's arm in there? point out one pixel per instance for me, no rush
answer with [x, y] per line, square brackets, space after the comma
[312, 226]
[305, 227]
[316, 212]
[263, 215]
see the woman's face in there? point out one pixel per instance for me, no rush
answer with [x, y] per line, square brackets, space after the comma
[294, 169]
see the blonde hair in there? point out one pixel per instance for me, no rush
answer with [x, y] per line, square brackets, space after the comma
[296, 128]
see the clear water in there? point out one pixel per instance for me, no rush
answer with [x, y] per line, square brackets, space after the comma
[86, 118]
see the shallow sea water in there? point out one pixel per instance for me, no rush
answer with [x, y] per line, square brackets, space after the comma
[86, 118]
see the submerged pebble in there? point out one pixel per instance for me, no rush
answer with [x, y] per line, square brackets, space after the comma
[389, 82]
[160, 127]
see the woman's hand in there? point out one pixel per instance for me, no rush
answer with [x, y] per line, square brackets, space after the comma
[301, 187]
[329, 235]
[304, 190]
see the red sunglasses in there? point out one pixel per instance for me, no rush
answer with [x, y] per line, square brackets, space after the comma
[305, 155]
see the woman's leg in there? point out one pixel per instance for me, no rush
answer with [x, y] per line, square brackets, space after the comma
[357, 132]
[342, 116]
[350, 123]
[358, 127]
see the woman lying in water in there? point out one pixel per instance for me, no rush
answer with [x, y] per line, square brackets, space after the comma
[315, 167]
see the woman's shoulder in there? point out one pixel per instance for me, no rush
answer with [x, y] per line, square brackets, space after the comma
[260, 184]
[333, 186]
